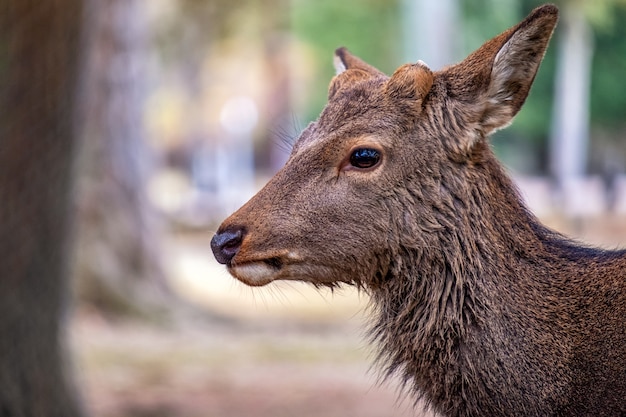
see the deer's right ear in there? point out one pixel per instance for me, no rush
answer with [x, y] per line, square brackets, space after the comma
[497, 77]
[349, 69]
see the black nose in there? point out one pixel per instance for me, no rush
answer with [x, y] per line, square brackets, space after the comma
[226, 244]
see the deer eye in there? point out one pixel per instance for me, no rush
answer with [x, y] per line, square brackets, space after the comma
[364, 158]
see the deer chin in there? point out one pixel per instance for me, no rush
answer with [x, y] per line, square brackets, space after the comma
[255, 274]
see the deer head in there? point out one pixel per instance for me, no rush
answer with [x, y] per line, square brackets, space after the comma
[392, 164]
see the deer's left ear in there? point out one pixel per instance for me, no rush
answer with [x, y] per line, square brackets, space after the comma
[344, 60]
[497, 77]
[349, 70]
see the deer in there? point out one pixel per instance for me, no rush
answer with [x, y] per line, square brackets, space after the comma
[477, 308]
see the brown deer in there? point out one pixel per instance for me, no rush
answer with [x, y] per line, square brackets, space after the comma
[479, 308]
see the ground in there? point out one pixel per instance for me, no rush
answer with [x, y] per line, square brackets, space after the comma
[230, 370]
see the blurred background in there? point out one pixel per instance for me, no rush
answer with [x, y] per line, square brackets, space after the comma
[190, 106]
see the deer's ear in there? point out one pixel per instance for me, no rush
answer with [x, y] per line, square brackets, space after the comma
[409, 84]
[349, 69]
[497, 77]
[344, 61]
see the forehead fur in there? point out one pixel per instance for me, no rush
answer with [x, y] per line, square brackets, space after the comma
[352, 110]
[353, 100]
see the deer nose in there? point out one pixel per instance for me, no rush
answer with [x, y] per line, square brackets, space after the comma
[227, 243]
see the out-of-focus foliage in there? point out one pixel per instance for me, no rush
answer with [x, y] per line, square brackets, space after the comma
[300, 36]
[608, 93]
[368, 28]
[601, 13]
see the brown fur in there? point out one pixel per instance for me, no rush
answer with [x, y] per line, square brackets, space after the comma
[479, 308]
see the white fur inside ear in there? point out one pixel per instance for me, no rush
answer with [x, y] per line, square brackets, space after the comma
[339, 65]
[514, 63]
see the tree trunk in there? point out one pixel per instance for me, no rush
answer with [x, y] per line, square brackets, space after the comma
[119, 270]
[570, 130]
[430, 31]
[38, 72]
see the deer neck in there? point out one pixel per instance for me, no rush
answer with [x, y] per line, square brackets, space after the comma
[441, 289]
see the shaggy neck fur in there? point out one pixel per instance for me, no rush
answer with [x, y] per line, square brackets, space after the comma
[444, 294]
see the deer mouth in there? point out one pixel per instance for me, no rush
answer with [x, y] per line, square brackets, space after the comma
[257, 270]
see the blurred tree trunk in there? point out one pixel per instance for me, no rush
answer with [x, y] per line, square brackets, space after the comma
[119, 269]
[430, 31]
[39, 44]
[570, 130]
